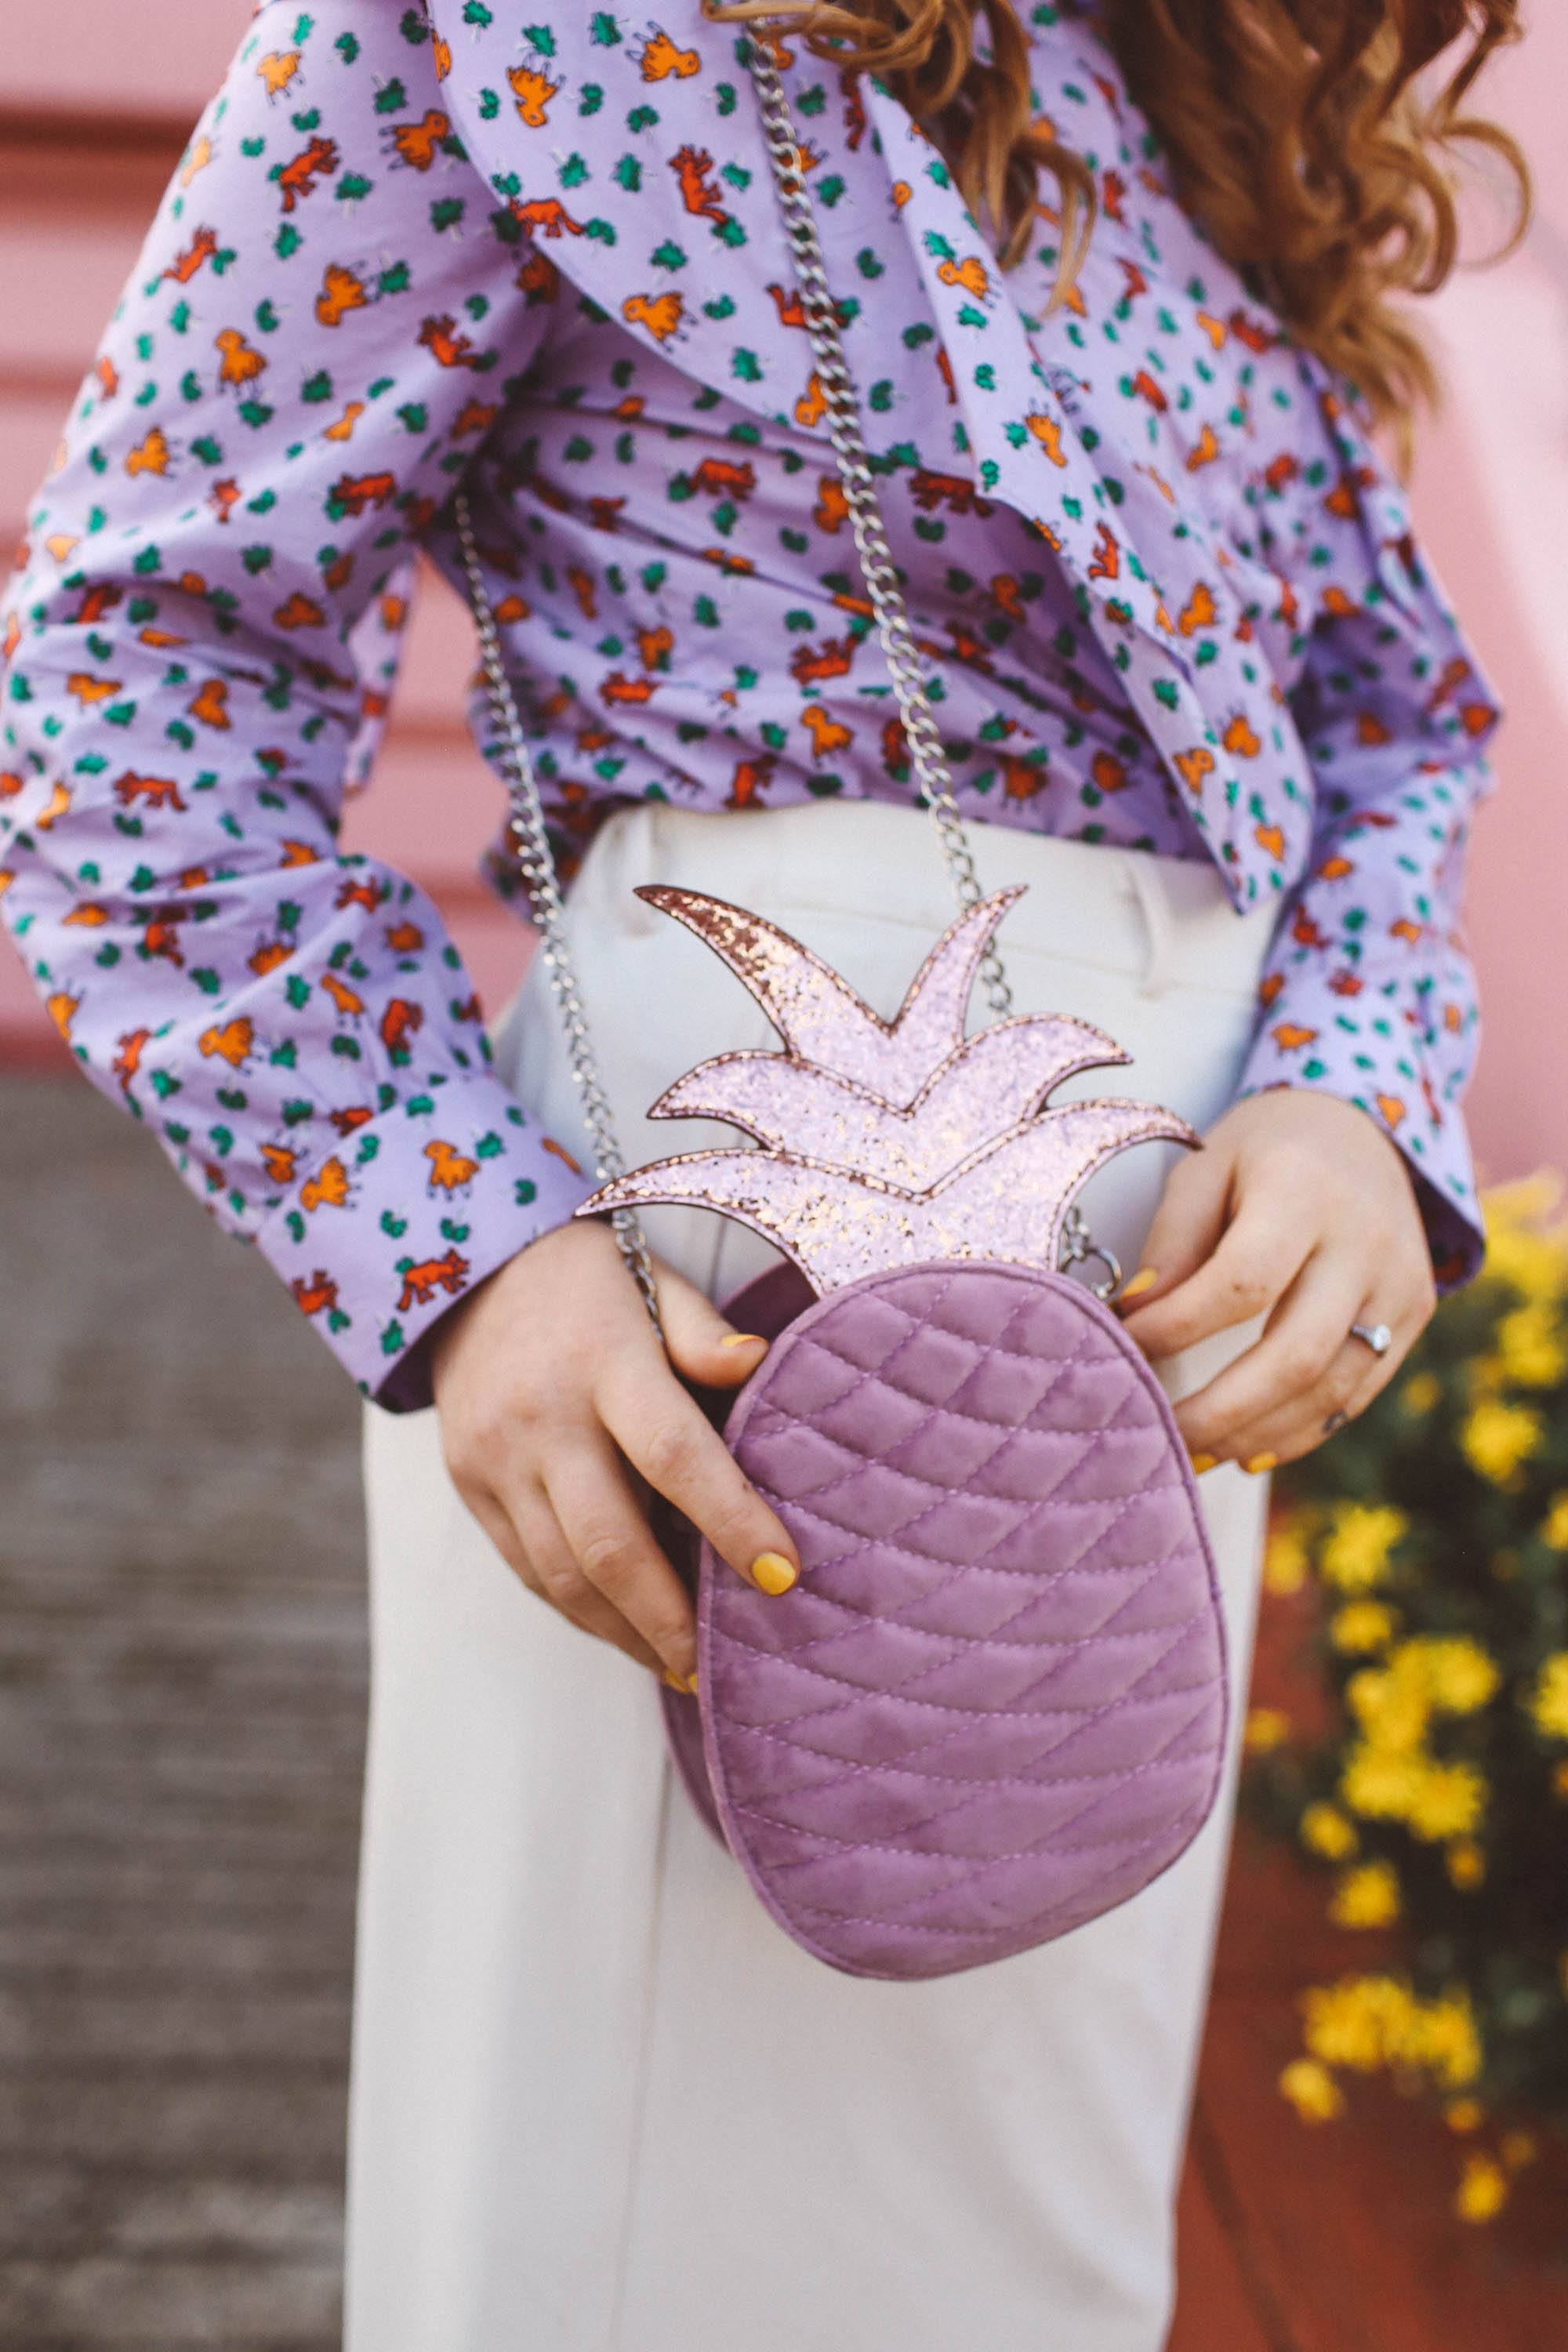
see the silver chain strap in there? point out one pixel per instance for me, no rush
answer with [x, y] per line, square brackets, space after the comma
[928, 760]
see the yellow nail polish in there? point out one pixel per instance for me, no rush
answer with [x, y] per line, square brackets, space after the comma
[685, 1683]
[743, 1339]
[773, 1572]
[1261, 1462]
[1202, 1462]
[1144, 1279]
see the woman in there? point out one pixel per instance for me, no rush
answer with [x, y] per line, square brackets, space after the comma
[1199, 693]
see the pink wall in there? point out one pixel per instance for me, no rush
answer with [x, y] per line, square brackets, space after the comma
[1491, 494]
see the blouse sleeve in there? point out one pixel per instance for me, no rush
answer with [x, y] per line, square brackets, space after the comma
[1369, 992]
[319, 331]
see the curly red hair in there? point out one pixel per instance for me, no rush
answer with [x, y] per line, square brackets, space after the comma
[1314, 140]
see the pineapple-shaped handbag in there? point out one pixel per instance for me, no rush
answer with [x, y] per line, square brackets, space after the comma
[993, 1706]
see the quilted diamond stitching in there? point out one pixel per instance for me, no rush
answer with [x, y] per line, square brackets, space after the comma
[1060, 1722]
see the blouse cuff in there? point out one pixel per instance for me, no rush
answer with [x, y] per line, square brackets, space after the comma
[408, 1214]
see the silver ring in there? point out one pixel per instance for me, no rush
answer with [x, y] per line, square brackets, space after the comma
[1377, 1337]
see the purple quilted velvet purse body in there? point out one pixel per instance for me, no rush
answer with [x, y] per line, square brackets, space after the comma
[994, 1704]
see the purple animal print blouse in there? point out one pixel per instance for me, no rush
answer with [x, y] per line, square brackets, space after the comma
[1166, 585]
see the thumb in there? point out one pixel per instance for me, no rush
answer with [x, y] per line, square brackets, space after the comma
[701, 1344]
[1188, 1223]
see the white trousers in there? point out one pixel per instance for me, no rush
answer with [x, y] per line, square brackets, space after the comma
[600, 2102]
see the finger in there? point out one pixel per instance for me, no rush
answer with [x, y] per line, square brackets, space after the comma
[529, 1538]
[700, 1343]
[1303, 1337]
[1353, 1379]
[556, 1577]
[1187, 1225]
[663, 1433]
[1257, 1258]
[616, 1551]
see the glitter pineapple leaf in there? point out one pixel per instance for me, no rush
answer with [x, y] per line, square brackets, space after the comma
[884, 1143]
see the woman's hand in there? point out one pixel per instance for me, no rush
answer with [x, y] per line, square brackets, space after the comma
[1298, 1208]
[557, 1402]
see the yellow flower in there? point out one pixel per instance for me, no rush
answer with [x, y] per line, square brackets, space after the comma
[1325, 1829]
[1366, 1896]
[1267, 1728]
[1380, 1784]
[1554, 1527]
[1361, 1626]
[1287, 1560]
[1458, 1675]
[1530, 1347]
[1312, 2091]
[1522, 1249]
[1464, 2114]
[1495, 1438]
[1420, 1392]
[1483, 2189]
[1449, 1801]
[1357, 2023]
[1361, 1537]
[1441, 2038]
[1392, 1706]
[1467, 1864]
[1548, 1702]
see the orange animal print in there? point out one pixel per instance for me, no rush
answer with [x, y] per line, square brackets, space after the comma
[1022, 779]
[691, 166]
[420, 1282]
[319, 1295]
[654, 647]
[450, 1170]
[971, 274]
[1193, 766]
[129, 1050]
[618, 689]
[149, 456]
[399, 1023]
[1270, 840]
[233, 1043]
[448, 347]
[349, 1122]
[1108, 772]
[341, 292]
[278, 70]
[242, 362]
[268, 956]
[658, 315]
[1257, 337]
[210, 706]
[812, 407]
[1393, 1108]
[62, 1008]
[299, 177]
[353, 891]
[827, 734]
[660, 58]
[417, 144]
[723, 477]
[156, 791]
[1199, 611]
[750, 780]
[1048, 432]
[1240, 740]
[349, 1004]
[546, 216]
[282, 1163]
[954, 491]
[831, 511]
[1291, 1036]
[327, 1189]
[202, 249]
[1205, 450]
[814, 664]
[1106, 561]
[533, 90]
[352, 494]
[161, 938]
